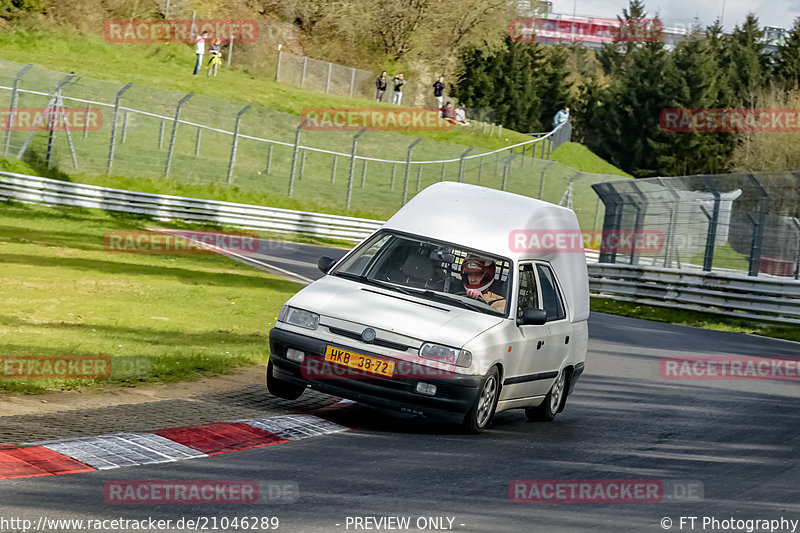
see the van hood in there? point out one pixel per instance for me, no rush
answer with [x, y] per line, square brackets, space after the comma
[411, 316]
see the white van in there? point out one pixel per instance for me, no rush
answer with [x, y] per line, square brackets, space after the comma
[442, 313]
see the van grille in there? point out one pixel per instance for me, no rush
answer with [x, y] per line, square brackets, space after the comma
[376, 342]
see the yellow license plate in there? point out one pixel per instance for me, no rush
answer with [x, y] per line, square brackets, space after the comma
[359, 361]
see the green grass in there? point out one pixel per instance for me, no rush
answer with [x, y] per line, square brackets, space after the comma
[169, 66]
[580, 157]
[162, 74]
[174, 316]
[694, 318]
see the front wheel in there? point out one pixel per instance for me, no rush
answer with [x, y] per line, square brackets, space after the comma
[547, 411]
[282, 389]
[482, 412]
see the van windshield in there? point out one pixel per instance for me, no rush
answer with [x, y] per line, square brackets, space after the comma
[432, 270]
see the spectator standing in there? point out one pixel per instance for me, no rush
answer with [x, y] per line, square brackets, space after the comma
[216, 56]
[380, 85]
[397, 97]
[561, 117]
[199, 49]
[438, 89]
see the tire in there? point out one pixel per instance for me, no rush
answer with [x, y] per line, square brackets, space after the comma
[552, 403]
[282, 389]
[482, 412]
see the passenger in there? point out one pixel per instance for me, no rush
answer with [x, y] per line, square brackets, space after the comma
[478, 276]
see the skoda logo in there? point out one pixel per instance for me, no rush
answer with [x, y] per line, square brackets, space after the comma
[368, 335]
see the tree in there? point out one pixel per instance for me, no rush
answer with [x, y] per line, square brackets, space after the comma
[698, 86]
[788, 60]
[746, 63]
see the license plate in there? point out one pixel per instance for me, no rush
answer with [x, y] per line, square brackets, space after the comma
[359, 361]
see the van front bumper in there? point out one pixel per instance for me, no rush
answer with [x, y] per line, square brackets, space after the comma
[455, 393]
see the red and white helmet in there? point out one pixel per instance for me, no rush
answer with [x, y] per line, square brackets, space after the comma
[475, 264]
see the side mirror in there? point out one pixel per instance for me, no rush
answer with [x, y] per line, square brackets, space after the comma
[532, 316]
[325, 263]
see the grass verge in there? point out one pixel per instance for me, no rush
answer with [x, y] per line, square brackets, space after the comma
[185, 316]
[694, 318]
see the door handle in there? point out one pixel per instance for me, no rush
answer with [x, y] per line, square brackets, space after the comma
[566, 340]
[539, 344]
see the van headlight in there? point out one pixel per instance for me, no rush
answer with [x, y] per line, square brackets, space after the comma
[298, 317]
[446, 354]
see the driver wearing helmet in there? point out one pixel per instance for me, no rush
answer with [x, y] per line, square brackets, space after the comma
[478, 275]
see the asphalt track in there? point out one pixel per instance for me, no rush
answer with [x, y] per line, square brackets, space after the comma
[735, 444]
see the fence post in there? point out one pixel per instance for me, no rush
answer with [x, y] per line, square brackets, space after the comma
[235, 142]
[419, 176]
[506, 166]
[352, 81]
[758, 228]
[480, 168]
[500, 131]
[333, 169]
[302, 165]
[54, 101]
[294, 155]
[328, 83]
[278, 68]
[797, 254]
[461, 164]
[269, 159]
[86, 122]
[13, 105]
[171, 148]
[197, 143]
[161, 136]
[114, 127]
[441, 176]
[408, 167]
[124, 126]
[713, 221]
[191, 30]
[303, 75]
[391, 181]
[541, 181]
[230, 50]
[352, 167]
[364, 174]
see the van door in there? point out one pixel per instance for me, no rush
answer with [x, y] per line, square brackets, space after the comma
[560, 327]
[530, 343]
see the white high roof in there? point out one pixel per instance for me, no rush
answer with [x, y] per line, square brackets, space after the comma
[484, 219]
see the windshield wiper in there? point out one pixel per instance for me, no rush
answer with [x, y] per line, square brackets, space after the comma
[375, 282]
[453, 299]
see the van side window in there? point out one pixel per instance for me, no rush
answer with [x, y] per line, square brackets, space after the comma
[551, 296]
[528, 295]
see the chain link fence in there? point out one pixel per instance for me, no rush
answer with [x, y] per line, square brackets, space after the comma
[332, 78]
[722, 223]
[194, 139]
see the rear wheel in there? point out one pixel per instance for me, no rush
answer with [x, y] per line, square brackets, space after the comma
[482, 412]
[282, 389]
[547, 411]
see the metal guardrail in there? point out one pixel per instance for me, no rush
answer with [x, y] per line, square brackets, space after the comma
[165, 207]
[732, 295]
[768, 299]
